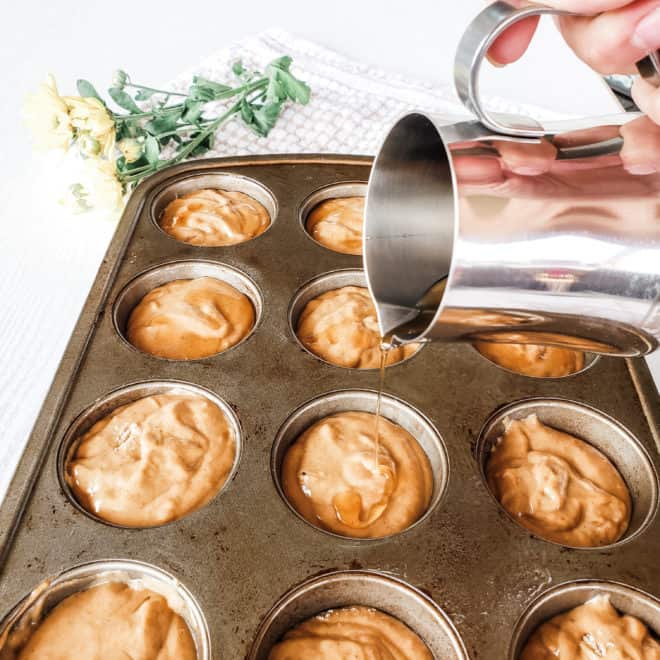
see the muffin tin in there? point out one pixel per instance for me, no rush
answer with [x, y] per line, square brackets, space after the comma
[465, 577]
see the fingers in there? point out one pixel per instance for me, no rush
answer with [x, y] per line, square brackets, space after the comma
[527, 159]
[613, 41]
[511, 45]
[647, 98]
[641, 145]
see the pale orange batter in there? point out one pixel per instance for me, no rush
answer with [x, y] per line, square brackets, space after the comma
[153, 460]
[114, 622]
[351, 633]
[533, 360]
[337, 224]
[190, 319]
[590, 631]
[334, 478]
[557, 486]
[214, 218]
[341, 327]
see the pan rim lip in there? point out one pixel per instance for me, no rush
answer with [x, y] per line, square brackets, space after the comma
[594, 358]
[161, 188]
[497, 414]
[259, 309]
[110, 564]
[68, 443]
[275, 469]
[299, 293]
[310, 582]
[549, 592]
[307, 205]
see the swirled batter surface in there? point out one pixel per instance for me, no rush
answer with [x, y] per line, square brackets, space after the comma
[339, 478]
[557, 486]
[153, 460]
[589, 632]
[337, 224]
[351, 633]
[190, 319]
[214, 218]
[114, 622]
[532, 359]
[340, 326]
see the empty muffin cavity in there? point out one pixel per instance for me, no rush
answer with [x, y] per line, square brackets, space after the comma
[620, 449]
[419, 468]
[19, 624]
[188, 310]
[333, 318]
[333, 217]
[101, 459]
[365, 589]
[214, 210]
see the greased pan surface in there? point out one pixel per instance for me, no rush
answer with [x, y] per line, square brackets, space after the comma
[239, 555]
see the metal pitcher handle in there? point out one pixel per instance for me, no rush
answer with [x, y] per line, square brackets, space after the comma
[472, 49]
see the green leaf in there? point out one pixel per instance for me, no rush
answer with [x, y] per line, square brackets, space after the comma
[203, 89]
[167, 121]
[264, 118]
[238, 68]
[246, 112]
[144, 94]
[151, 150]
[275, 91]
[123, 100]
[296, 90]
[85, 88]
[193, 111]
[283, 63]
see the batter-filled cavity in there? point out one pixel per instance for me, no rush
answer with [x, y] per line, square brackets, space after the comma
[557, 486]
[341, 479]
[590, 631]
[341, 327]
[337, 224]
[351, 632]
[152, 461]
[214, 218]
[190, 319]
[111, 620]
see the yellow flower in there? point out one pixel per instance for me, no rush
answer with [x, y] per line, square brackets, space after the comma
[47, 116]
[91, 118]
[131, 148]
[96, 187]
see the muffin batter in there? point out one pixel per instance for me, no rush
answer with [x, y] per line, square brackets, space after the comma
[153, 460]
[214, 218]
[340, 479]
[593, 630]
[337, 224]
[190, 319]
[111, 621]
[341, 327]
[532, 359]
[557, 486]
[348, 633]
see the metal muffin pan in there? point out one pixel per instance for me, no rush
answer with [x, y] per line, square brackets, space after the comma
[391, 408]
[121, 397]
[370, 589]
[35, 606]
[245, 549]
[616, 442]
[335, 279]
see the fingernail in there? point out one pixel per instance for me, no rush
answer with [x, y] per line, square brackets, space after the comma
[640, 170]
[646, 36]
[527, 170]
[494, 62]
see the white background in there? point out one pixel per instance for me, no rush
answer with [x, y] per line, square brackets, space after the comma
[48, 259]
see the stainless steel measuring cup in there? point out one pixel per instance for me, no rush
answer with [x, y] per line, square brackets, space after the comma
[508, 230]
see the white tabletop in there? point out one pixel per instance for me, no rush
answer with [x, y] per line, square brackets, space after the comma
[48, 258]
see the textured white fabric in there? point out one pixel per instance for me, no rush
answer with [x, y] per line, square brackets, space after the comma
[50, 258]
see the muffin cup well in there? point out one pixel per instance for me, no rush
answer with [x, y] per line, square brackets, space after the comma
[17, 625]
[105, 405]
[569, 595]
[600, 431]
[367, 588]
[393, 409]
[142, 284]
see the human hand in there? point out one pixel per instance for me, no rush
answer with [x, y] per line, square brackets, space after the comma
[609, 35]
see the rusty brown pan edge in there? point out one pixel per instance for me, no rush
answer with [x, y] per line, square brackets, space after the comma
[647, 393]
[41, 436]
